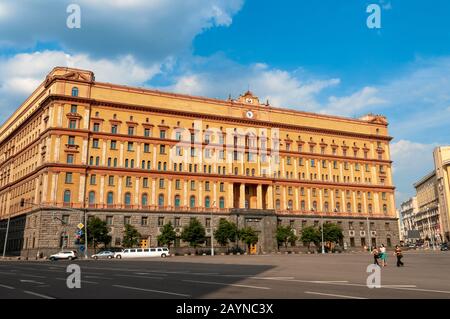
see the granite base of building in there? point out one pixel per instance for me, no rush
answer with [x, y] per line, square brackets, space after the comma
[43, 232]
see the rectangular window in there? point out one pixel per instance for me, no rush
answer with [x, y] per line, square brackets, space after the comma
[130, 130]
[192, 185]
[95, 143]
[111, 180]
[72, 124]
[73, 109]
[114, 129]
[160, 221]
[113, 145]
[146, 148]
[93, 179]
[109, 220]
[177, 184]
[207, 186]
[161, 183]
[68, 178]
[96, 127]
[147, 132]
[145, 182]
[162, 149]
[130, 146]
[69, 158]
[144, 221]
[177, 221]
[222, 187]
[127, 220]
[162, 134]
[128, 181]
[71, 140]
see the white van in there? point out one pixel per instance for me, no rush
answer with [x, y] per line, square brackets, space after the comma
[142, 253]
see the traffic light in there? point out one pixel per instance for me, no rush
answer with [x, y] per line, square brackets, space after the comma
[22, 202]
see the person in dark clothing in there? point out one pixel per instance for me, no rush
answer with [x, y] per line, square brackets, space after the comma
[376, 255]
[399, 255]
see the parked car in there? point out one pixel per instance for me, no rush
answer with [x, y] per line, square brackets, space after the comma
[65, 254]
[104, 254]
[444, 247]
[143, 252]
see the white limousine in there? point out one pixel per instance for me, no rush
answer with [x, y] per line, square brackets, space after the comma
[142, 253]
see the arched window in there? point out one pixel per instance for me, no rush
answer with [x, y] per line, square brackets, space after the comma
[349, 208]
[384, 208]
[221, 202]
[160, 200]
[74, 91]
[325, 207]
[127, 198]
[338, 207]
[91, 160]
[314, 206]
[126, 163]
[132, 163]
[289, 204]
[144, 200]
[207, 202]
[370, 208]
[67, 196]
[110, 198]
[97, 160]
[277, 204]
[303, 205]
[115, 162]
[359, 207]
[91, 197]
[192, 201]
[177, 201]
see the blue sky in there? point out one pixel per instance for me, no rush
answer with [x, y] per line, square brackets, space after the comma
[316, 56]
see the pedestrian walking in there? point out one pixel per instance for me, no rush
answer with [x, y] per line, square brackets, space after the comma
[399, 255]
[383, 256]
[376, 255]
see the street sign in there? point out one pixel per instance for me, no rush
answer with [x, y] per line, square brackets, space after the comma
[80, 225]
[79, 232]
[82, 248]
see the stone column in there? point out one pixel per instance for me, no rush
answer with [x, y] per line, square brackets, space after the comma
[259, 196]
[242, 195]
[270, 197]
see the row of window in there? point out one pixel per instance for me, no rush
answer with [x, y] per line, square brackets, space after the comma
[127, 200]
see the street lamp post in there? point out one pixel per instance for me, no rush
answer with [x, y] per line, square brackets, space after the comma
[323, 247]
[6, 236]
[429, 229]
[212, 230]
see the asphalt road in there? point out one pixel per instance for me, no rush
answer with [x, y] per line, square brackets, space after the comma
[341, 276]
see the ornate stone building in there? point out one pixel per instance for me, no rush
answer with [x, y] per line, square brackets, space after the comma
[145, 157]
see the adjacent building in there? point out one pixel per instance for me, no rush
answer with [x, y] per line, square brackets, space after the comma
[77, 147]
[407, 216]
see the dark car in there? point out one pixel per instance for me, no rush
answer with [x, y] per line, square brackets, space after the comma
[444, 247]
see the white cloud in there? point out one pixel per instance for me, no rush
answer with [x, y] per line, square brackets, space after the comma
[22, 73]
[354, 103]
[150, 30]
[412, 161]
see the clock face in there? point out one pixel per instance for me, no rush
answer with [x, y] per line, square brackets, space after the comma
[248, 100]
[249, 114]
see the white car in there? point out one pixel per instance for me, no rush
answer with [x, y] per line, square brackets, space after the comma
[142, 253]
[66, 254]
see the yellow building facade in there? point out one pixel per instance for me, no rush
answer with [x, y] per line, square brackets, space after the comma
[145, 157]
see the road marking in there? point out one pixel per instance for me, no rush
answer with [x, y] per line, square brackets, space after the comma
[329, 282]
[7, 287]
[38, 295]
[32, 276]
[150, 273]
[332, 295]
[32, 281]
[420, 289]
[98, 277]
[398, 286]
[132, 276]
[151, 290]
[82, 281]
[226, 284]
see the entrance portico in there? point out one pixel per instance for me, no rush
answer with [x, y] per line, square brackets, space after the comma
[252, 196]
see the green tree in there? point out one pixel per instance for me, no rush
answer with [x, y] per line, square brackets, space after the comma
[194, 233]
[168, 235]
[332, 233]
[310, 235]
[97, 232]
[285, 235]
[226, 232]
[131, 236]
[248, 236]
